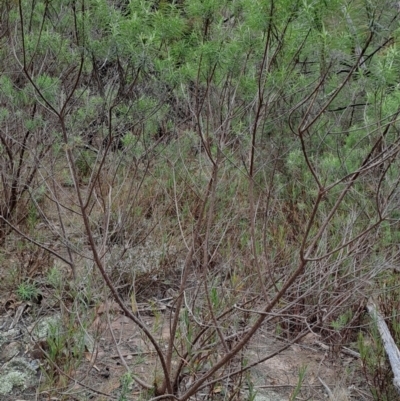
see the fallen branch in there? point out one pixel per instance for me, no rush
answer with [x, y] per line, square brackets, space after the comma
[388, 342]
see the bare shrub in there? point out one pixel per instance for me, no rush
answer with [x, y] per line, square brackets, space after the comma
[266, 204]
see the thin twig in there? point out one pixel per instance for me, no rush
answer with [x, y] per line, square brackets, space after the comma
[121, 357]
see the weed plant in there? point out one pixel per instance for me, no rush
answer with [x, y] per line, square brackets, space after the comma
[27, 291]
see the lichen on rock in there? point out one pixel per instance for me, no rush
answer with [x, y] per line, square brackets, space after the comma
[16, 373]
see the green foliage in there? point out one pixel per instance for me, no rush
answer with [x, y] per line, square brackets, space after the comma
[85, 163]
[252, 391]
[54, 277]
[126, 386]
[27, 291]
[33, 217]
[342, 321]
[65, 347]
[302, 376]
[376, 367]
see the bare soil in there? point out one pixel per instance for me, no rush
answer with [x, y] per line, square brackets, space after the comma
[23, 335]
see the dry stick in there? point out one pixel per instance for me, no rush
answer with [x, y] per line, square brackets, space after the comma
[303, 145]
[163, 397]
[388, 342]
[228, 356]
[62, 372]
[101, 268]
[185, 276]
[140, 353]
[328, 390]
[339, 88]
[378, 190]
[205, 248]
[83, 205]
[248, 367]
[198, 337]
[269, 270]
[306, 255]
[103, 159]
[245, 339]
[61, 236]
[106, 224]
[38, 244]
[252, 212]
[173, 327]
[376, 161]
[98, 262]
[60, 219]
[285, 385]
[260, 106]
[300, 269]
[121, 357]
[177, 210]
[349, 242]
[189, 256]
[323, 191]
[366, 165]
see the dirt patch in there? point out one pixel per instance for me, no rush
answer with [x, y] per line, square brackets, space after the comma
[100, 373]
